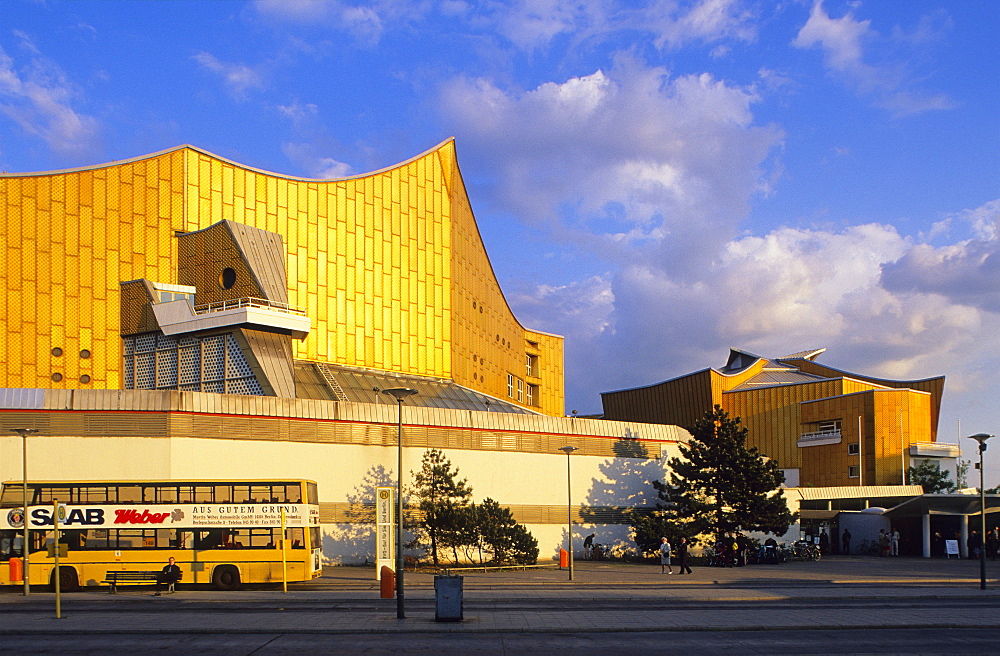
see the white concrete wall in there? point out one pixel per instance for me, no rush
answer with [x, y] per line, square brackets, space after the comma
[345, 471]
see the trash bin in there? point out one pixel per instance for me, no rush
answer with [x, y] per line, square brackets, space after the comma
[448, 598]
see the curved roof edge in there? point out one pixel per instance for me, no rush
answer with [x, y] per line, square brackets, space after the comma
[662, 382]
[888, 382]
[160, 153]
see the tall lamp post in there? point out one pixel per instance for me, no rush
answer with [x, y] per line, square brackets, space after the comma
[981, 438]
[399, 393]
[24, 433]
[569, 507]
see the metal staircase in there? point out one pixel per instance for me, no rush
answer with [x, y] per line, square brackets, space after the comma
[331, 382]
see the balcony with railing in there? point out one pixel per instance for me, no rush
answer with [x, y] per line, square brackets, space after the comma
[819, 438]
[179, 317]
[247, 302]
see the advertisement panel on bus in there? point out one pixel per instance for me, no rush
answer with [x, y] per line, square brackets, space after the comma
[200, 515]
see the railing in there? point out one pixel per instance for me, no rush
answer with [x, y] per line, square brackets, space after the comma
[820, 435]
[234, 303]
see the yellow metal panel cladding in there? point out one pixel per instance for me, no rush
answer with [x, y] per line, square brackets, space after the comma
[680, 401]
[93, 229]
[373, 260]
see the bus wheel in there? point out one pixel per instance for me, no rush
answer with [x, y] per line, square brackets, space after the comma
[68, 580]
[226, 577]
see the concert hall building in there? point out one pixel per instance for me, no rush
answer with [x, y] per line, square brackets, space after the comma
[182, 316]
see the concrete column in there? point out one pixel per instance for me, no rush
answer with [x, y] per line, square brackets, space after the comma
[926, 534]
[963, 538]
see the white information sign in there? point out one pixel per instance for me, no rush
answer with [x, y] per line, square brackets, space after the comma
[202, 515]
[951, 548]
[385, 534]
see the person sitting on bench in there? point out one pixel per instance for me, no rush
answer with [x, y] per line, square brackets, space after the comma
[170, 574]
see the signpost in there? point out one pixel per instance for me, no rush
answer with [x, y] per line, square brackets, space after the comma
[284, 555]
[385, 543]
[58, 515]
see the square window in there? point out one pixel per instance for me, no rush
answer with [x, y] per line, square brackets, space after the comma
[853, 472]
[853, 449]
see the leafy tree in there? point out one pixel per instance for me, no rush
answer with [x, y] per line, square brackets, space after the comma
[442, 499]
[929, 475]
[502, 537]
[721, 486]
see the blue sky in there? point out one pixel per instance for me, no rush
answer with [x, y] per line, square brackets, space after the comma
[657, 181]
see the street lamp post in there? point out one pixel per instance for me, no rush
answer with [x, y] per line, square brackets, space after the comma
[24, 433]
[399, 393]
[981, 438]
[569, 507]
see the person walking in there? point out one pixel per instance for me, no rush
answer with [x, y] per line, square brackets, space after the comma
[846, 540]
[682, 557]
[665, 557]
[894, 542]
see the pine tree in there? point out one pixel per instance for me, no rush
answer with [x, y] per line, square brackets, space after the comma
[721, 486]
[442, 498]
[501, 536]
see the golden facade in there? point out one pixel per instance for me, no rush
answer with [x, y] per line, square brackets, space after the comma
[802, 414]
[389, 267]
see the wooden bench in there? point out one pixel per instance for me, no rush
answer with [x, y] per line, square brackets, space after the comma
[114, 578]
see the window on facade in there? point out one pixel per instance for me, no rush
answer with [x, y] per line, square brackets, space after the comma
[532, 395]
[510, 385]
[853, 449]
[853, 472]
[531, 365]
[520, 391]
[829, 425]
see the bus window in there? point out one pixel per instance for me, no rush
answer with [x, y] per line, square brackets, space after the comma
[314, 537]
[262, 538]
[7, 545]
[223, 494]
[129, 494]
[185, 494]
[210, 539]
[130, 539]
[179, 539]
[92, 494]
[260, 493]
[204, 494]
[166, 494]
[96, 539]
[313, 494]
[295, 537]
[50, 494]
[241, 494]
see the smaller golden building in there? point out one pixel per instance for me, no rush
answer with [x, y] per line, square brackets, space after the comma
[824, 426]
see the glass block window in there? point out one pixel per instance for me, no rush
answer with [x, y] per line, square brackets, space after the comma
[191, 364]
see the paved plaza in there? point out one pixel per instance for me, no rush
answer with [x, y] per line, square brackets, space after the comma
[631, 601]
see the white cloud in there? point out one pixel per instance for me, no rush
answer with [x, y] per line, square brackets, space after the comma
[788, 290]
[366, 23]
[38, 96]
[308, 156]
[966, 273]
[239, 79]
[846, 41]
[639, 156]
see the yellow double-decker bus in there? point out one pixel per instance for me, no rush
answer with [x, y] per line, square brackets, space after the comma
[221, 532]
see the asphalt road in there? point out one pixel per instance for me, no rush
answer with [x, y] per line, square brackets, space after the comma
[841, 606]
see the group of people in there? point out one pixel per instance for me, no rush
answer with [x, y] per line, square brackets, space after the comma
[888, 542]
[682, 557]
[975, 544]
